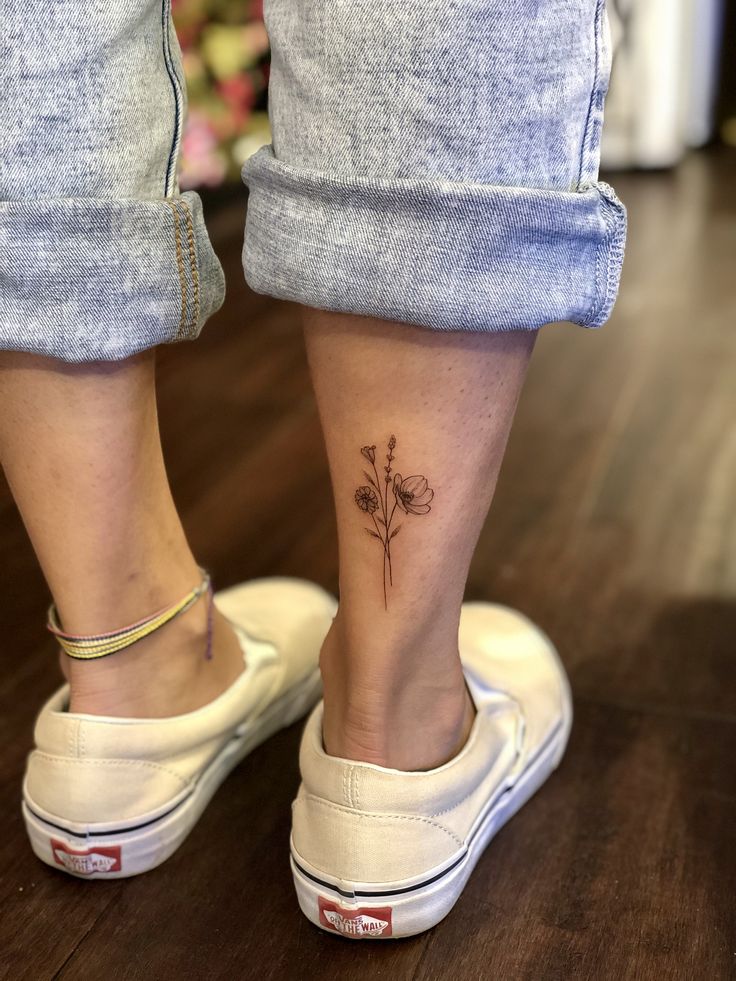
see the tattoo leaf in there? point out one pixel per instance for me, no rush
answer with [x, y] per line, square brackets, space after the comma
[395, 532]
[371, 532]
[380, 521]
[370, 479]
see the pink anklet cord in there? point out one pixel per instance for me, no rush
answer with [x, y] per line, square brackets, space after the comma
[92, 646]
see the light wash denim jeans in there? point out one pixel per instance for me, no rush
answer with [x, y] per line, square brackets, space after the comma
[433, 162]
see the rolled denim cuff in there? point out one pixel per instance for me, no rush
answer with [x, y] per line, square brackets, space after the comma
[87, 279]
[442, 254]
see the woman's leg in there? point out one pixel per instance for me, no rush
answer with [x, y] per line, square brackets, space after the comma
[101, 258]
[81, 451]
[394, 688]
[435, 165]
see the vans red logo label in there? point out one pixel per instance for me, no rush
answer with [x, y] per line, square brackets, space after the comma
[362, 922]
[87, 861]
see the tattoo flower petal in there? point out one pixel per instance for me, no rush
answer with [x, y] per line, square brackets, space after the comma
[365, 498]
[413, 494]
[369, 452]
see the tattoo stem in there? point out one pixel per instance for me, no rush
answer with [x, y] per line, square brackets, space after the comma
[378, 487]
[385, 546]
[412, 495]
[388, 541]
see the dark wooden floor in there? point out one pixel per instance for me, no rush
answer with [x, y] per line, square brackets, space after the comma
[613, 526]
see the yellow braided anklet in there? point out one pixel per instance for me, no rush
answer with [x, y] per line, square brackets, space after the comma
[86, 648]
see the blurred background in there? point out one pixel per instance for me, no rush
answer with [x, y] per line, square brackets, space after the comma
[226, 62]
[613, 526]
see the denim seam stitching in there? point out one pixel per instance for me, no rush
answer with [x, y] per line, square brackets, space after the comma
[616, 245]
[173, 78]
[599, 297]
[589, 318]
[180, 266]
[611, 245]
[193, 265]
[597, 28]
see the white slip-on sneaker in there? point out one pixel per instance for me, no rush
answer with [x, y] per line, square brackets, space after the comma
[379, 853]
[111, 797]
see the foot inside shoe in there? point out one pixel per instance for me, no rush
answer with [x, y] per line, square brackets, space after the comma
[380, 853]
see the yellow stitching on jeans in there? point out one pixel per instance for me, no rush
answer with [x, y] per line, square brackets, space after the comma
[192, 261]
[182, 274]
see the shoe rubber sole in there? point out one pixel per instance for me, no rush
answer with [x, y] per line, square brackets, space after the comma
[94, 851]
[405, 908]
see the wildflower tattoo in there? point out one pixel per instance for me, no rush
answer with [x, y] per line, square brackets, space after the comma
[411, 495]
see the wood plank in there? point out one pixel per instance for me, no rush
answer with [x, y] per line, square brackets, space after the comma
[622, 868]
[613, 526]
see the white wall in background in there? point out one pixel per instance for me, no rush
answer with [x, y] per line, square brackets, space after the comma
[663, 79]
[706, 19]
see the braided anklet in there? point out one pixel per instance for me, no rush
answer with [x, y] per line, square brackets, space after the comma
[86, 648]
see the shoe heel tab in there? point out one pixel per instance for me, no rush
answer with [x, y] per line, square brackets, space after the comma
[56, 730]
[330, 778]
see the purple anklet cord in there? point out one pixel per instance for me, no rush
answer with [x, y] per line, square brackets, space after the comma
[210, 625]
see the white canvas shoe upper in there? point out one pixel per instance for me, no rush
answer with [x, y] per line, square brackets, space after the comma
[92, 768]
[92, 778]
[366, 835]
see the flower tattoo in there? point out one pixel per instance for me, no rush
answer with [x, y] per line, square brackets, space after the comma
[366, 499]
[411, 495]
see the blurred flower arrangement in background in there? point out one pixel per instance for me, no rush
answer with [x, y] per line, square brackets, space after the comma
[226, 62]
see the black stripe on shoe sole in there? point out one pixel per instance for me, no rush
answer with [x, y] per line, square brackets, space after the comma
[237, 737]
[485, 814]
[115, 831]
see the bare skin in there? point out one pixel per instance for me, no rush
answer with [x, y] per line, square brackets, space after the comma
[95, 499]
[81, 452]
[394, 689]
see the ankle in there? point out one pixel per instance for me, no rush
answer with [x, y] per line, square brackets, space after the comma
[166, 673]
[421, 732]
[405, 707]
